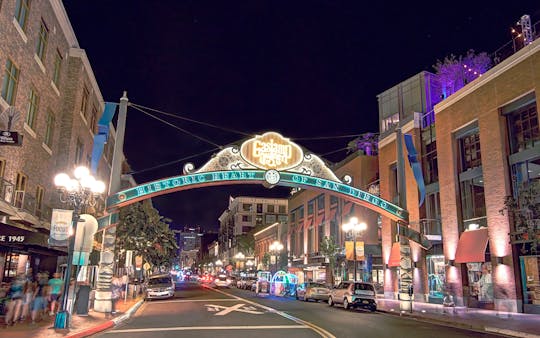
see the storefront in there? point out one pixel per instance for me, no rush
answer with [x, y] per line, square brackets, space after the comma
[23, 252]
[436, 278]
[530, 278]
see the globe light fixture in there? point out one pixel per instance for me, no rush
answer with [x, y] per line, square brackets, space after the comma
[78, 192]
[275, 248]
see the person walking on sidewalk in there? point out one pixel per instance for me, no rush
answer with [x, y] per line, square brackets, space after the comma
[56, 286]
[16, 293]
[40, 299]
[28, 298]
[116, 288]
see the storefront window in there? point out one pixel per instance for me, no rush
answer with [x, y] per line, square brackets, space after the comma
[530, 268]
[436, 276]
[480, 282]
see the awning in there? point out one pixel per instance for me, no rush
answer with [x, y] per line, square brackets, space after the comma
[394, 259]
[346, 208]
[472, 246]
[332, 214]
[320, 219]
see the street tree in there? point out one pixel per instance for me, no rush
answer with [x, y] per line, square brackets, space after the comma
[329, 249]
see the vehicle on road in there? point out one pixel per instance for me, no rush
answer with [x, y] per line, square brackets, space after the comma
[353, 295]
[159, 287]
[222, 281]
[312, 290]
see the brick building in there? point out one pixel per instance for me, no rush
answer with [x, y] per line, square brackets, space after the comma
[48, 86]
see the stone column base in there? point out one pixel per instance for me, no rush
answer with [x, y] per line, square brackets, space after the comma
[102, 303]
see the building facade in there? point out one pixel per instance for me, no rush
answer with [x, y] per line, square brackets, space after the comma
[479, 147]
[50, 97]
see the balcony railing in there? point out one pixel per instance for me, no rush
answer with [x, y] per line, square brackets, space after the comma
[28, 203]
[431, 228]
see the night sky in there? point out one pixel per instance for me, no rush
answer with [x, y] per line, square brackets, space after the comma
[305, 69]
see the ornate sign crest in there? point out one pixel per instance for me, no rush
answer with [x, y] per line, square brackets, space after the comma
[271, 151]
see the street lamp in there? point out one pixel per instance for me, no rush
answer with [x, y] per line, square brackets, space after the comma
[78, 192]
[354, 228]
[249, 264]
[275, 248]
[240, 258]
[219, 264]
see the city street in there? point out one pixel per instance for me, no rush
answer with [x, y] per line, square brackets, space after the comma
[198, 311]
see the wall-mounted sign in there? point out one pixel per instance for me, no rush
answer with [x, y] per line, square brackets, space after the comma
[10, 138]
[60, 227]
[11, 239]
[271, 151]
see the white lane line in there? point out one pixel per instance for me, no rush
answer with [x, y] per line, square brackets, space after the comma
[193, 300]
[195, 328]
[322, 332]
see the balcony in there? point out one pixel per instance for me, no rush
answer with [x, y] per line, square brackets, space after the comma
[6, 198]
[27, 211]
[431, 228]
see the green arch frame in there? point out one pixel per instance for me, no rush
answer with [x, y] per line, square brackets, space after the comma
[228, 177]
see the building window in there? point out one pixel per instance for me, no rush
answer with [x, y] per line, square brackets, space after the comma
[42, 40]
[9, 85]
[469, 146]
[333, 200]
[431, 169]
[301, 242]
[310, 207]
[394, 191]
[320, 234]
[57, 69]
[301, 212]
[311, 239]
[525, 174]
[21, 12]
[246, 207]
[523, 128]
[473, 206]
[259, 208]
[320, 202]
[282, 209]
[33, 102]
[246, 218]
[334, 230]
[20, 188]
[84, 101]
[293, 216]
[282, 219]
[390, 123]
[2, 168]
[93, 119]
[270, 208]
[40, 192]
[270, 219]
[79, 152]
[293, 244]
[49, 129]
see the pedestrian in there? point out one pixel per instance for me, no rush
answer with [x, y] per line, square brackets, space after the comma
[16, 294]
[56, 287]
[116, 288]
[39, 305]
[125, 281]
[29, 288]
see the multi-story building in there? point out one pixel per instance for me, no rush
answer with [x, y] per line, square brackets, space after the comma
[479, 146]
[243, 215]
[314, 215]
[50, 97]
[189, 245]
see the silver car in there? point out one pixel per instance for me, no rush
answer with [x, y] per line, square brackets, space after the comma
[159, 287]
[311, 290]
[353, 295]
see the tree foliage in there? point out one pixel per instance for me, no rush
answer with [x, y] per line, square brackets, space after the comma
[142, 229]
[246, 244]
[329, 249]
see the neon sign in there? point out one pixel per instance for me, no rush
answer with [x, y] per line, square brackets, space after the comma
[271, 151]
[252, 177]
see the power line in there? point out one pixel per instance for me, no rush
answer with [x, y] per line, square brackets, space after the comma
[330, 137]
[191, 120]
[172, 162]
[176, 127]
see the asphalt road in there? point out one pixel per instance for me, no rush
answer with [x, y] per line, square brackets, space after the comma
[198, 311]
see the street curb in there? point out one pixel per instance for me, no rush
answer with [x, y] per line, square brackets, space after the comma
[481, 328]
[108, 324]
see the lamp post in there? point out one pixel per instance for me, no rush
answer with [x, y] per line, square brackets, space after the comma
[275, 248]
[219, 264]
[240, 258]
[78, 192]
[353, 227]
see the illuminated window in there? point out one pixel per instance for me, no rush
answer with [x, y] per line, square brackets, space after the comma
[259, 208]
[79, 152]
[9, 85]
[21, 12]
[84, 101]
[33, 102]
[49, 129]
[57, 69]
[523, 128]
[469, 146]
[42, 40]
[270, 208]
[20, 188]
[282, 209]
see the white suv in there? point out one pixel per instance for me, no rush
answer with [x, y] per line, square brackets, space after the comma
[353, 295]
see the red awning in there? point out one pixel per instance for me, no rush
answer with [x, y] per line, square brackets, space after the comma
[394, 259]
[346, 208]
[320, 219]
[472, 246]
[332, 214]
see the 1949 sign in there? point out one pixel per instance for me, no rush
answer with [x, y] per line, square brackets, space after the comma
[11, 239]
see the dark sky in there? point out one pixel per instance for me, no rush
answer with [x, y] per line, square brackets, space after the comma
[303, 68]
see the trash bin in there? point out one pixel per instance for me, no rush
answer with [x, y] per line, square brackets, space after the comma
[83, 295]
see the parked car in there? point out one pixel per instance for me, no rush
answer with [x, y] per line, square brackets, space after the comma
[222, 281]
[159, 286]
[206, 279]
[353, 295]
[251, 284]
[311, 290]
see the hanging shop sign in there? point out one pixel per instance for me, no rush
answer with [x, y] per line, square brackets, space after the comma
[349, 250]
[10, 138]
[60, 227]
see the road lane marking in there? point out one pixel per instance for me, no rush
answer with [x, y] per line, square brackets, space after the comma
[226, 310]
[195, 328]
[322, 332]
[194, 300]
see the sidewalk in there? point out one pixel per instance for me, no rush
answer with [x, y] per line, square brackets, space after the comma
[81, 326]
[507, 323]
